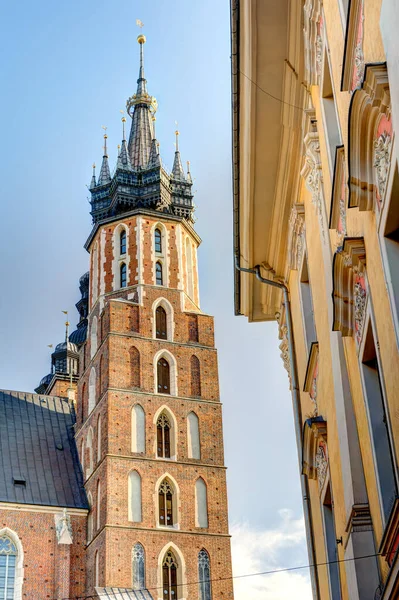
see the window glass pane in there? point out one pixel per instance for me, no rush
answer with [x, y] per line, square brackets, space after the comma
[158, 241]
[158, 274]
[123, 275]
[123, 242]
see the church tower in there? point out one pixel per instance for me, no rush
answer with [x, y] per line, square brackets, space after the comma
[149, 417]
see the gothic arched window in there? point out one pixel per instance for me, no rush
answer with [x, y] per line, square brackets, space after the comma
[195, 377]
[201, 501]
[90, 518]
[8, 559]
[163, 374]
[165, 498]
[92, 390]
[138, 429]
[169, 576]
[122, 240]
[158, 240]
[194, 446]
[158, 274]
[138, 567]
[204, 576]
[163, 436]
[135, 497]
[123, 275]
[161, 330]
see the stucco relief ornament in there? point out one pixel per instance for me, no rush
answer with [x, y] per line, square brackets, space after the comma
[285, 353]
[319, 54]
[382, 160]
[63, 527]
[360, 299]
[312, 173]
[321, 466]
[359, 65]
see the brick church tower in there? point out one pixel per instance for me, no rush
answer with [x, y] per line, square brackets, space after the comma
[149, 418]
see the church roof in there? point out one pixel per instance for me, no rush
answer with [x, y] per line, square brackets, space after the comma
[39, 461]
[123, 594]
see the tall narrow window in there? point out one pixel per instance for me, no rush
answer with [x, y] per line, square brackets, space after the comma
[158, 240]
[204, 576]
[195, 377]
[92, 389]
[201, 498]
[161, 324]
[98, 503]
[90, 518]
[169, 577]
[82, 457]
[189, 263]
[163, 436]
[122, 242]
[135, 367]
[165, 498]
[123, 276]
[307, 305]
[89, 446]
[96, 569]
[135, 497]
[158, 274]
[163, 372]
[8, 559]
[331, 546]
[138, 429]
[138, 567]
[93, 337]
[194, 449]
[99, 439]
[378, 425]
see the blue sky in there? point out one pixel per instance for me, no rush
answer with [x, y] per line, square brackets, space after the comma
[68, 69]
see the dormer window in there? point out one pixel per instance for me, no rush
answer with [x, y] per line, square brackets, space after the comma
[122, 240]
[123, 275]
[158, 274]
[158, 241]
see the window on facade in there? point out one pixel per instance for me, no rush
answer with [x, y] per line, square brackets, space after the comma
[158, 274]
[158, 240]
[169, 577]
[8, 560]
[93, 337]
[96, 569]
[391, 238]
[331, 546]
[123, 275]
[92, 389]
[194, 449]
[204, 576]
[195, 377]
[201, 498]
[122, 242]
[138, 429]
[329, 113]
[135, 497]
[189, 265]
[160, 324]
[98, 505]
[163, 373]
[94, 278]
[307, 305]
[165, 498]
[99, 439]
[90, 518]
[138, 567]
[379, 425]
[163, 436]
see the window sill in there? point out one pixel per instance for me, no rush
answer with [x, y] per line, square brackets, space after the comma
[169, 527]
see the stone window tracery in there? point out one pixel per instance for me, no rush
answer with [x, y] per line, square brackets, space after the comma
[165, 499]
[138, 567]
[8, 559]
[204, 576]
[163, 436]
[169, 577]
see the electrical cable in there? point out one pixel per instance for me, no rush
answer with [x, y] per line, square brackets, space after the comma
[271, 95]
[245, 575]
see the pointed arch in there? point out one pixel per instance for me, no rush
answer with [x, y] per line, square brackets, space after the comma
[167, 506]
[99, 438]
[204, 575]
[92, 390]
[189, 268]
[195, 369]
[138, 428]
[201, 503]
[159, 275]
[11, 547]
[165, 373]
[122, 275]
[101, 375]
[158, 240]
[93, 337]
[135, 513]
[122, 242]
[90, 518]
[94, 278]
[162, 417]
[168, 327]
[89, 447]
[96, 569]
[193, 436]
[138, 567]
[135, 374]
[182, 591]
[98, 505]
[82, 456]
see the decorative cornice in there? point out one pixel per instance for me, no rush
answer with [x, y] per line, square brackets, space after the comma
[313, 40]
[38, 508]
[296, 237]
[314, 453]
[312, 373]
[353, 67]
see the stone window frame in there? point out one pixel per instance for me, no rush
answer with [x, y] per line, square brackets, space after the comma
[118, 258]
[205, 585]
[204, 524]
[173, 432]
[176, 503]
[133, 472]
[91, 403]
[181, 571]
[134, 429]
[19, 563]
[190, 436]
[170, 321]
[163, 353]
[161, 257]
[93, 336]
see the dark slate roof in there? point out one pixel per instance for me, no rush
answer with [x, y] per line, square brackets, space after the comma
[39, 462]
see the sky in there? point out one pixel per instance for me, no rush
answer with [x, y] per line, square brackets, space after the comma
[67, 69]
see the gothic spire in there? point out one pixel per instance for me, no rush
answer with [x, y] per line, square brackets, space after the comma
[177, 171]
[140, 107]
[123, 161]
[155, 159]
[189, 178]
[105, 174]
[93, 178]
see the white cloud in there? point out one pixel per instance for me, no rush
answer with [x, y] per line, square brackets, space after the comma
[255, 551]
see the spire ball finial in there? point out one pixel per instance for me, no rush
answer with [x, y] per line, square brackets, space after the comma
[141, 38]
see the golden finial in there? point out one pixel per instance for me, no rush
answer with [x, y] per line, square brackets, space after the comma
[94, 165]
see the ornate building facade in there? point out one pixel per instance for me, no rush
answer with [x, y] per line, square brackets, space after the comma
[121, 486]
[316, 214]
